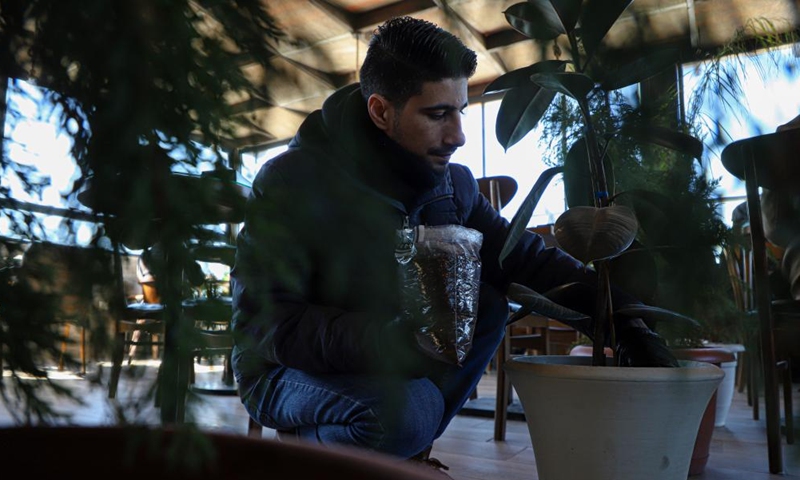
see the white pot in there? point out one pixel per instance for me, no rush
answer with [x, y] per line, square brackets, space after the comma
[725, 393]
[728, 386]
[611, 423]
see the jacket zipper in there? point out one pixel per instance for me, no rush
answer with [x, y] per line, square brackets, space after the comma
[407, 216]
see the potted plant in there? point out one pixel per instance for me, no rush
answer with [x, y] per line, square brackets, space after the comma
[589, 406]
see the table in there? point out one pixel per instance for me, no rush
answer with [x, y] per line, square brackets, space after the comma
[166, 209]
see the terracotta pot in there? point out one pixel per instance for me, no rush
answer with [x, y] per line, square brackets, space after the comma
[611, 423]
[715, 356]
[135, 453]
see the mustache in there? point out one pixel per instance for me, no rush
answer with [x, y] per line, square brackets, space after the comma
[442, 152]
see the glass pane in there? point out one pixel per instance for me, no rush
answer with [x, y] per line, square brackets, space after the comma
[471, 154]
[768, 97]
[523, 162]
[36, 150]
[253, 161]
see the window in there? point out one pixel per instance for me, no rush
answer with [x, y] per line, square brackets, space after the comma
[38, 169]
[522, 162]
[770, 97]
[253, 161]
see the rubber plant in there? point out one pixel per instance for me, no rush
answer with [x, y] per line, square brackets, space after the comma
[596, 229]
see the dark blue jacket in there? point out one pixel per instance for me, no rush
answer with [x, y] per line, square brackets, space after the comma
[315, 282]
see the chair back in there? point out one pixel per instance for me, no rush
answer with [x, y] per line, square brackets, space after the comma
[499, 190]
[82, 278]
[769, 162]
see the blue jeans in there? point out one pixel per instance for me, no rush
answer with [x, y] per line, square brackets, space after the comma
[392, 415]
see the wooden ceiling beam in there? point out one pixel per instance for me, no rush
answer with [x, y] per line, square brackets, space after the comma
[397, 9]
[339, 14]
[474, 38]
[252, 103]
[502, 38]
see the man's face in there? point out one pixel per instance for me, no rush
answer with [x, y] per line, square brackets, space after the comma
[429, 124]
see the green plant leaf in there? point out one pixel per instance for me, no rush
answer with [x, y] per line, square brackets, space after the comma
[531, 302]
[520, 111]
[523, 215]
[590, 234]
[655, 314]
[640, 69]
[578, 188]
[597, 18]
[666, 137]
[521, 77]
[577, 176]
[573, 84]
[543, 19]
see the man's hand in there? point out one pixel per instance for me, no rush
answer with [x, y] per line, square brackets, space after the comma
[642, 347]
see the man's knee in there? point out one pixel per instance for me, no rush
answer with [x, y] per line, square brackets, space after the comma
[411, 421]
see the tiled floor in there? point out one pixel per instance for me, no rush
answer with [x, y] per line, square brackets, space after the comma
[738, 450]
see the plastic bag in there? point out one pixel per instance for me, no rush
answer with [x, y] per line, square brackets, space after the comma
[441, 282]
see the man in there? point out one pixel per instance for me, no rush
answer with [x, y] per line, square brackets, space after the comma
[322, 347]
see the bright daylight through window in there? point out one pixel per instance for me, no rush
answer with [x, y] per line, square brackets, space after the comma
[770, 98]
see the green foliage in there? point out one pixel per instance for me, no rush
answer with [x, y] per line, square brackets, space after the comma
[616, 154]
[139, 87]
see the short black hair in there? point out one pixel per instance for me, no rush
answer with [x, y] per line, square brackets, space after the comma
[405, 52]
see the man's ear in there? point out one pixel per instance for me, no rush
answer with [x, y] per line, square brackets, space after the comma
[380, 111]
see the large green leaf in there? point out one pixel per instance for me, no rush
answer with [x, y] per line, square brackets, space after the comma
[652, 315]
[568, 12]
[597, 18]
[573, 84]
[544, 19]
[590, 234]
[578, 188]
[521, 77]
[638, 70]
[530, 301]
[523, 215]
[666, 137]
[519, 113]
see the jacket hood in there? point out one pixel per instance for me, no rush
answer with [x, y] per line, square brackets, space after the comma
[342, 123]
[343, 130]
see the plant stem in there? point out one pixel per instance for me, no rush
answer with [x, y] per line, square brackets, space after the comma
[600, 186]
[602, 314]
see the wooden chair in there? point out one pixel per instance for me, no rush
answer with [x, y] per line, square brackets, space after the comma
[770, 161]
[531, 334]
[739, 263]
[76, 276]
[137, 323]
[212, 337]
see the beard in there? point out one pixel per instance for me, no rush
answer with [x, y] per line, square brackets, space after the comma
[415, 171]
